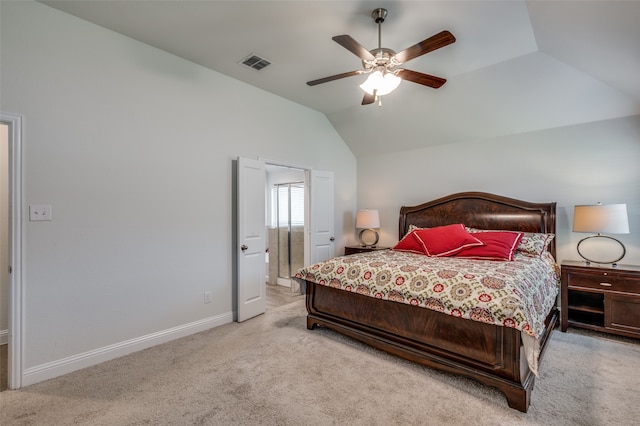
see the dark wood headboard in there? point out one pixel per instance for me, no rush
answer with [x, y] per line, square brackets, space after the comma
[484, 211]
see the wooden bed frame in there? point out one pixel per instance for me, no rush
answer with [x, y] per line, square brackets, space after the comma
[488, 353]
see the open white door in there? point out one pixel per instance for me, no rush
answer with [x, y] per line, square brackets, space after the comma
[321, 212]
[251, 238]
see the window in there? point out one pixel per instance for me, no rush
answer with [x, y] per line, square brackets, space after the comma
[287, 205]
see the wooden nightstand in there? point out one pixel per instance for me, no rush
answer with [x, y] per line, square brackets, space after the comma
[359, 249]
[601, 298]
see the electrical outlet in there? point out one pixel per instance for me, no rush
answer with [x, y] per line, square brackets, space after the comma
[207, 297]
[39, 212]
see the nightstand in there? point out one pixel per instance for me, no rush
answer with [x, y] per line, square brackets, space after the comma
[360, 249]
[601, 298]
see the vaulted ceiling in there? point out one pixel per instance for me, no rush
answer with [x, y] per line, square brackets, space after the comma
[517, 66]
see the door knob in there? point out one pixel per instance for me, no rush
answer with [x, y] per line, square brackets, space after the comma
[243, 247]
[332, 239]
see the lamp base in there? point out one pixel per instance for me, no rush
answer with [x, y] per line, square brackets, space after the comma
[613, 263]
[366, 244]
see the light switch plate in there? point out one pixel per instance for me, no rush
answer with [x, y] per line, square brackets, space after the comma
[40, 212]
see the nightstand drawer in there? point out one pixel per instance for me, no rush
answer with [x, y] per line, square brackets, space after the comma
[605, 281]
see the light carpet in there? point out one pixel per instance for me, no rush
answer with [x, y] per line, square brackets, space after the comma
[271, 370]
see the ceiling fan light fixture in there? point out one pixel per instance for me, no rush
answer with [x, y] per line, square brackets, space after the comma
[381, 83]
[383, 64]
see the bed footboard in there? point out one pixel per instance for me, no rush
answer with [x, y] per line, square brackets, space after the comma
[484, 352]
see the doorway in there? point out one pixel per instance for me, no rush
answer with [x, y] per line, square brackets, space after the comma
[250, 209]
[11, 247]
[286, 212]
[4, 254]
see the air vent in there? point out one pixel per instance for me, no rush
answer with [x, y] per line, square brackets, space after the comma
[255, 62]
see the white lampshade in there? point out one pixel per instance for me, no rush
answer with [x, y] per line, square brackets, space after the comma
[381, 84]
[601, 219]
[366, 219]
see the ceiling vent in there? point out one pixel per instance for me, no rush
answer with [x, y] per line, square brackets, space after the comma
[255, 62]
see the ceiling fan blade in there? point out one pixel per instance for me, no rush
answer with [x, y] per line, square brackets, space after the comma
[420, 78]
[334, 77]
[369, 99]
[354, 47]
[430, 44]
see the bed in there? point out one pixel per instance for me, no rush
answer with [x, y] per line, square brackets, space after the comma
[496, 355]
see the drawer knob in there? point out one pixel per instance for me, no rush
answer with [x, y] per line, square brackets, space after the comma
[605, 284]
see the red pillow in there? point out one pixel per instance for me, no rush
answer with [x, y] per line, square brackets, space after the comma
[409, 243]
[445, 240]
[497, 246]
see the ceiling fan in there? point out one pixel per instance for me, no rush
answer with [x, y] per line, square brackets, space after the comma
[383, 64]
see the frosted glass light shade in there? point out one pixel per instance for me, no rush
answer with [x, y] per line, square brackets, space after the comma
[381, 84]
[602, 219]
[366, 219]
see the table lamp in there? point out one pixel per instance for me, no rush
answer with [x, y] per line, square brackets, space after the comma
[601, 219]
[367, 220]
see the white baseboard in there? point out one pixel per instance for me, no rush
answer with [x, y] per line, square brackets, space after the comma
[4, 337]
[72, 363]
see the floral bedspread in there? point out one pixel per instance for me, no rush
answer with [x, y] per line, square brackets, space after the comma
[517, 294]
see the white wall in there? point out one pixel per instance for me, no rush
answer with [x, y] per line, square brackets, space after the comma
[133, 148]
[580, 164]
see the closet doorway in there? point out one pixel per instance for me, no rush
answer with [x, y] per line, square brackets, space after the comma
[286, 201]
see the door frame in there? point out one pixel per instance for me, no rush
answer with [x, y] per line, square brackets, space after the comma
[16, 285]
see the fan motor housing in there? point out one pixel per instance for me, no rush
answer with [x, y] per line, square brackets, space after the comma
[383, 58]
